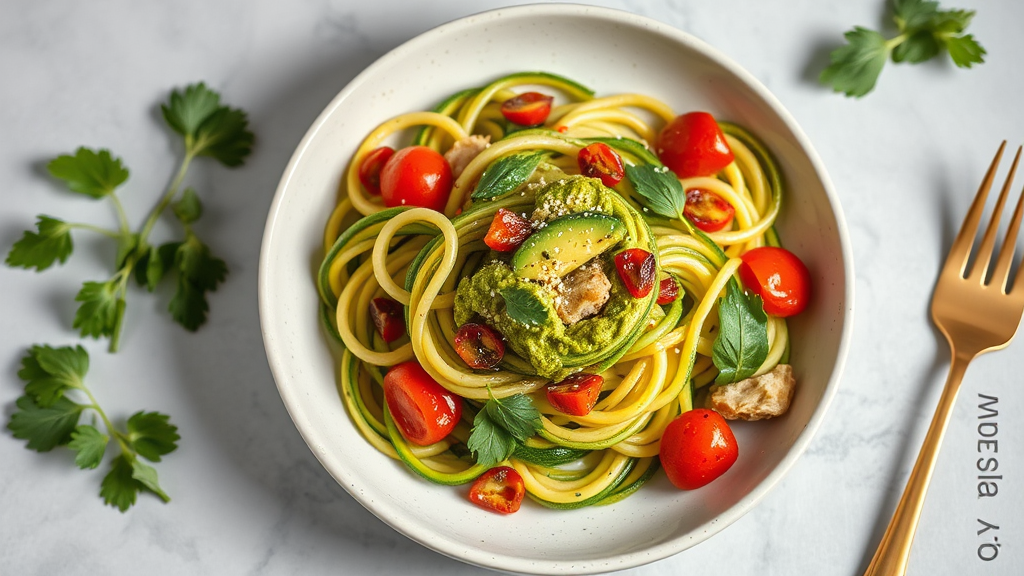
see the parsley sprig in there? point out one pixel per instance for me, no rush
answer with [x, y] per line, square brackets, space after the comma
[924, 32]
[499, 425]
[48, 416]
[208, 129]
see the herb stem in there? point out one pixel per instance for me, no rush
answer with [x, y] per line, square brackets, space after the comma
[892, 43]
[92, 228]
[122, 217]
[111, 431]
[172, 191]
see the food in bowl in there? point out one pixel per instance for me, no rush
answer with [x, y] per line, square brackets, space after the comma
[538, 290]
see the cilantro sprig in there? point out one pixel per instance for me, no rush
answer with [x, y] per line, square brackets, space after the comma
[50, 414]
[924, 32]
[208, 129]
[499, 425]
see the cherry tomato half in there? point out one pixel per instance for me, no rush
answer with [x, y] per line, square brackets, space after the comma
[693, 145]
[598, 160]
[576, 395]
[697, 447]
[479, 346]
[500, 489]
[668, 291]
[422, 409]
[370, 167]
[507, 231]
[779, 277]
[527, 109]
[416, 176]
[707, 210]
[389, 318]
[636, 268]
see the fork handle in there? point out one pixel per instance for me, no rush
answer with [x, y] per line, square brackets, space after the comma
[893, 551]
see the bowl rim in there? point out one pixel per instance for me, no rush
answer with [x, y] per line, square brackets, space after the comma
[619, 561]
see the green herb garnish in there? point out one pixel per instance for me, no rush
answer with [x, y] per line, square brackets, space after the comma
[50, 412]
[207, 128]
[742, 342]
[924, 32]
[499, 424]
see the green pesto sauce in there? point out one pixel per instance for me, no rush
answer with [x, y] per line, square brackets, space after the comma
[550, 345]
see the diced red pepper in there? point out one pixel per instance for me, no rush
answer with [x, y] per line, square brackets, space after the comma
[576, 395]
[668, 291]
[508, 230]
[598, 160]
[389, 318]
[527, 109]
[500, 489]
[370, 167]
[479, 346]
[636, 268]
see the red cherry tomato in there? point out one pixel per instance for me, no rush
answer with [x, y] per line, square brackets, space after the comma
[416, 176]
[500, 489]
[779, 277]
[693, 145]
[668, 291]
[636, 270]
[479, 346]
[507, 231]
[697, 447]
[370, 167]
[598, 160]
[527, 109]
[423, 410]
[576, 395]
[707, 210]
[389, 318]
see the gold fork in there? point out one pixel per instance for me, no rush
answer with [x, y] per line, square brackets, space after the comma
[977, 314]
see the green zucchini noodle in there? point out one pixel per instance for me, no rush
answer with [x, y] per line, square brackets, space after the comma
[417, 257]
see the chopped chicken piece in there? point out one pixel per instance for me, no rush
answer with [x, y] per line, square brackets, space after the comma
[582, 293]
[755, 398]
[463, 152]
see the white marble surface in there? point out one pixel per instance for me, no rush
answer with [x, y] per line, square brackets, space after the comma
[250, 498]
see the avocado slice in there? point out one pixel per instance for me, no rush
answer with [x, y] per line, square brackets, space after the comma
[565, 244]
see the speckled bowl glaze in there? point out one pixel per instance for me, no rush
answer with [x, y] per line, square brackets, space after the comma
[611, 52]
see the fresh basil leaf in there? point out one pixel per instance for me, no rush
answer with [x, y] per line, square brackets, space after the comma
[742, 343]
[523, 306]
[507, 174]
[659, 187]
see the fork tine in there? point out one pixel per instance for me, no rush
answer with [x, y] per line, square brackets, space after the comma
[961, 248]
[988, 241]
[1001, 273]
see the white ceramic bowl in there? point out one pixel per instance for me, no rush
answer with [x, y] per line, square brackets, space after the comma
[611, 52]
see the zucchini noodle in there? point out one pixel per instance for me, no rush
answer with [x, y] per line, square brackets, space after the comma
[420, 258]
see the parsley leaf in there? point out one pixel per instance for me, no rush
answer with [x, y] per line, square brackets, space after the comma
[499, 424]
[855, 67]
[742, 342]
[40, 250]
[661, 190]
[209, 129]
[523, 306]
[516, 414]
[44, 427]
[188, 208]
[119, 487]
[97, 313]
[507, 174]
[924, 32]
[152, 435]
[198, 272]
[146, 475]
[488, 441]
[89, 445]
[89, 172]
[48, 372]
